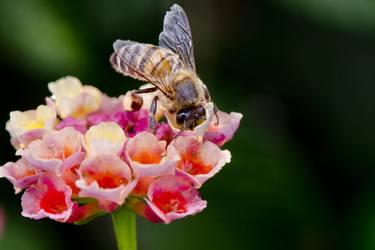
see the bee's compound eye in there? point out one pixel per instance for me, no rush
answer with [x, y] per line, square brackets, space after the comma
[181, 116]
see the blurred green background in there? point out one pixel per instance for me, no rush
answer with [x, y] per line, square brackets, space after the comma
[302, 73]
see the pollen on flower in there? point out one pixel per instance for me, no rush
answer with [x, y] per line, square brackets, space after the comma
[84, 154]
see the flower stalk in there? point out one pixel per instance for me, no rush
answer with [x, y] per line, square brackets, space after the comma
[124, 225]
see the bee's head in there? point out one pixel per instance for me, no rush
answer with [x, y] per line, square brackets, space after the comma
[189, 118]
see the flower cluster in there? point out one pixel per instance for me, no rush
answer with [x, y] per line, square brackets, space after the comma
[83, 154]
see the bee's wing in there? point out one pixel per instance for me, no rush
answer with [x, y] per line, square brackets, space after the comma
[145, 62]
[176, 35]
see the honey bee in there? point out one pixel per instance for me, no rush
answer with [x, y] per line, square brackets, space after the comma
[170, 68]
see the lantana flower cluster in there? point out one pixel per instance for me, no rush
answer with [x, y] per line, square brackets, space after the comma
[83, 154]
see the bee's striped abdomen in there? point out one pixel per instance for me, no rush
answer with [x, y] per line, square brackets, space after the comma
[144, 61]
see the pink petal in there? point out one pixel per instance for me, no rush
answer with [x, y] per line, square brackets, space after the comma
[73, 160]
[50, 102]
[69, 171]
[69, 176]
[68, 138]
[199, 160]
[224, 131]
[132, 122]
[173, 197]
[165, 133]
[147, 156]
[71, 99]
[110, 105]
[106, 178]
[54, 150]
[40, 156]
[97, 118]
[50, 197]
[104, 138]
[19, 123]
[20, 174]
[26, 138]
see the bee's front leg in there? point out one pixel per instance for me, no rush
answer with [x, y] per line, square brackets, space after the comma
[153, 108]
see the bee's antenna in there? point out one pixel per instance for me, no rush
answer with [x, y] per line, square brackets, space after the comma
[178, 134]
[185, 126]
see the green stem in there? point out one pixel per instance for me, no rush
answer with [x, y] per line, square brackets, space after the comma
[124, 224]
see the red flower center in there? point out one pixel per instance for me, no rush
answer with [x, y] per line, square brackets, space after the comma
[192, 164]
[170, 202]
[53, 201]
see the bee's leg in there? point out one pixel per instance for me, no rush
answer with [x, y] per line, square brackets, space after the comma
[153, 108]
[147, 90]
[178, 134]
[184, 127]
[137, 101]
[216, 110]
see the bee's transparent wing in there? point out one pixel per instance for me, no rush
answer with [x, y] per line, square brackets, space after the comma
[145, 62]
[176, 35]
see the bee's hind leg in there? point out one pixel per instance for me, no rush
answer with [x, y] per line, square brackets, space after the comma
[137, 100]
[153, 108]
